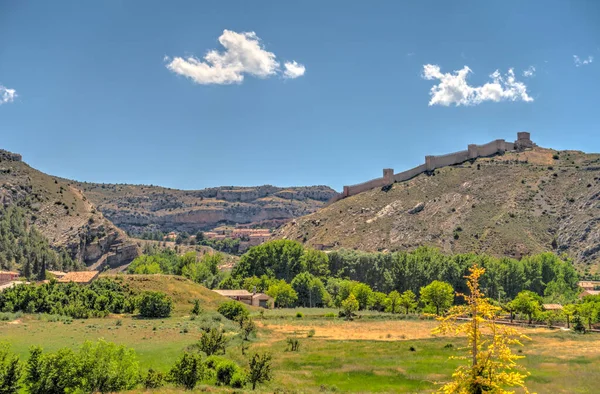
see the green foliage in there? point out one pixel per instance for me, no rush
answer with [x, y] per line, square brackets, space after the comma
[362, 292]
[196, 310]
[260, 369]
[248, 328]
[233, 310]
[212, 342]
[349, 306]
[154, 379]
[23, 246]
[315, 262]
[280, 259]
[153, 304]
[527, 303]
[205, 271]
[225, 370]
[393, 302]
[283, 294]
[408, 301]
[10, 370]
[293, 344]
[187, 371]
[439, 295]
[97, 367]
[378, 301]
[310, 290]
[100, 298]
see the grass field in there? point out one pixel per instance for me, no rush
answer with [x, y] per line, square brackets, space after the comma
[367, 355]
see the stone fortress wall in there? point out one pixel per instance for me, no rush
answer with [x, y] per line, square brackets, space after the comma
[432, 162]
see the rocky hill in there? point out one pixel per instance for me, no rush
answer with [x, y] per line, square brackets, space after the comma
[507, 205]
[59, 209]
[139, 208]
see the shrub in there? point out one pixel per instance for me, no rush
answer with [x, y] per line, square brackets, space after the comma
[233, 310]
[248, 328]
[154, 304]
[196, 310]
[225, 371]
[10, 370]
[299, 315]
[238, 380]
[212, 342]
[329, 315]
[187, 371]
[311, 333]
[293, 344]
[154, 379]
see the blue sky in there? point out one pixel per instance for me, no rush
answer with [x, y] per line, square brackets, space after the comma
[121, 91]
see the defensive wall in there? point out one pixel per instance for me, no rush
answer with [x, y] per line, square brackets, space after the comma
[432, 162]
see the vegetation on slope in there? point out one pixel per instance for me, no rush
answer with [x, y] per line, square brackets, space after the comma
[511, 205]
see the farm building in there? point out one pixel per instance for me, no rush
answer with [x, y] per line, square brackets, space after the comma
[8, 276]
[589, 293]
[82, 277]
[254, 299]
[57, 274]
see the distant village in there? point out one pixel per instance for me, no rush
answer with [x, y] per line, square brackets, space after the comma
[247, 237]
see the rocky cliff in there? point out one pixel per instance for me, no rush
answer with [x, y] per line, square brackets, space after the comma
[139, 208]
[63, 214]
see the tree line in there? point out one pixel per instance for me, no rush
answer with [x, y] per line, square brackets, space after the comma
[23, 246]
[545, 274]
[98, 299]
[104, 367]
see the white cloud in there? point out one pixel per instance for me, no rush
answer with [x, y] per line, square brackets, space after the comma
[454, 88]
[293, 70]
[243, 54]
[578, 62]
[7, 95]
[530, 72]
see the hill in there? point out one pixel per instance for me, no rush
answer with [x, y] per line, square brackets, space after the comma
[506, 205]
[183, 291]
[63, 214]
[140, 208]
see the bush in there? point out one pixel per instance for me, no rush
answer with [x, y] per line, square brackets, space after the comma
[154, 379]
[260, 369]
[154, 304]
[293, 344]
[212, 342]
[311, 333]
[299, 315]
[225, 371]
[238, 380]
[233, 310]
[10, 370]
[187, 371]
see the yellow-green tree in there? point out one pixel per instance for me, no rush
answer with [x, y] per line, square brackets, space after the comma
[493, 367]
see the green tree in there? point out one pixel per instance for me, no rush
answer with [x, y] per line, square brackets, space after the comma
[527, 303]
[439, 295]
[260, 369]
[233, 310]
[283, 294]
[187, 371]
[10, 370]
[154, 304]
[315, 262]
[280, 259]
[196, 310]
[588, 313]
[213, 342]
[310, 290]
[349, 306]
[378, 301]
[569, 311]
[393, 301]
[408, 301]
[363, 295]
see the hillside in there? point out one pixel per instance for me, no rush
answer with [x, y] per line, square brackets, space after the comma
[507, 205]
[139, 208]
[63, 214]
[183, 291]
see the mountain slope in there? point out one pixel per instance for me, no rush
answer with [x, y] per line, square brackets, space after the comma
[139, 208]
[63, 214]
[508, 205]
